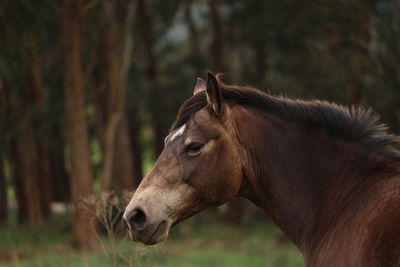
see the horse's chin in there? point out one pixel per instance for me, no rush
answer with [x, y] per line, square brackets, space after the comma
[153, 235]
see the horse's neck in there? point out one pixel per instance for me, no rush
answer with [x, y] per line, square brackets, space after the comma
[300, 177]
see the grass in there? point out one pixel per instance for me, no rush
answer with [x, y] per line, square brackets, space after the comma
[202, 241]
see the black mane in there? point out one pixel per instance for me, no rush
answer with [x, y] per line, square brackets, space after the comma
[355, 125]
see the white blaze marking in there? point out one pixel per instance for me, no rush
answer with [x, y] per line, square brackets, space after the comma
[178, 132]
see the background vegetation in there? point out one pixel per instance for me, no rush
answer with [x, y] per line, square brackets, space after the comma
[89, 88]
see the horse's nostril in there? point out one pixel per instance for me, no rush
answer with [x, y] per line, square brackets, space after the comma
[137, 219]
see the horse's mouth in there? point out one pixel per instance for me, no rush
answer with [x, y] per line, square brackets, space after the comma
[159, 234]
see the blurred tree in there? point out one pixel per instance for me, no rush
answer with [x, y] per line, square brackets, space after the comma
[84, 235]
[27, 149]
[116, 56]
[3, 151]
[22, 80]
[60, 177]
[3, 193]
[249, 30]
[383, 67]
[359, 37]
[23, 150]
[135, 126]
[150, 71]
[195, 56]
[55, 127]
[217, 40]
[14, 157]
[44, 182]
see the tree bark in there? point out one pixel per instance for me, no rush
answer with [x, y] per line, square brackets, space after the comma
[27, 149]
[118, 45]
[43, 157]
[195, 56]
[23, 155]
[134, 131]
[150, 69]
[244, 71]
[123, 160]
[3, 194]
[19, 183]
[60, 178]
[3, 150]
[359, 42]
[217, 44]
[260, 62]
[28, 153]
[14, 158]
[84, 232]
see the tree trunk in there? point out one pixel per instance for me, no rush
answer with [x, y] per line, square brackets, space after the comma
[111, 94]
[60, 178]
[134, 131]
[19, 183]
[260, 62]
[43, 157]
[150, 67]
[244, 71]
[23, 155]
[217, 44]
[84, 231]
[123, 159]
[360, 40]
[118, 45]
[3, 194]
[195, 56]
[14, 158]
[27, 150]
[3, 150]
[45, 180]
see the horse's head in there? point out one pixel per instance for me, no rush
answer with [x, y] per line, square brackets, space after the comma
[198, 168]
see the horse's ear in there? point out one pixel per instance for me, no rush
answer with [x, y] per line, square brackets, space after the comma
[214, 95]
[200, 86]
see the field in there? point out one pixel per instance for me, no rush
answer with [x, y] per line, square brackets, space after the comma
[201, 241]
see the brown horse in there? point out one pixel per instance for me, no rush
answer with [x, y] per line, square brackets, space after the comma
[327, 175]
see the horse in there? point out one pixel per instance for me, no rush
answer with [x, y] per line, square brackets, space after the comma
[327, 175]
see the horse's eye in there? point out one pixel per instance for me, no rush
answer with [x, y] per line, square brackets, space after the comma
[193, 147]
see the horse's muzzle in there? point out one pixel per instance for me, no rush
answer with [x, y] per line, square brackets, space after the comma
[142, 230]
[136, 220]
